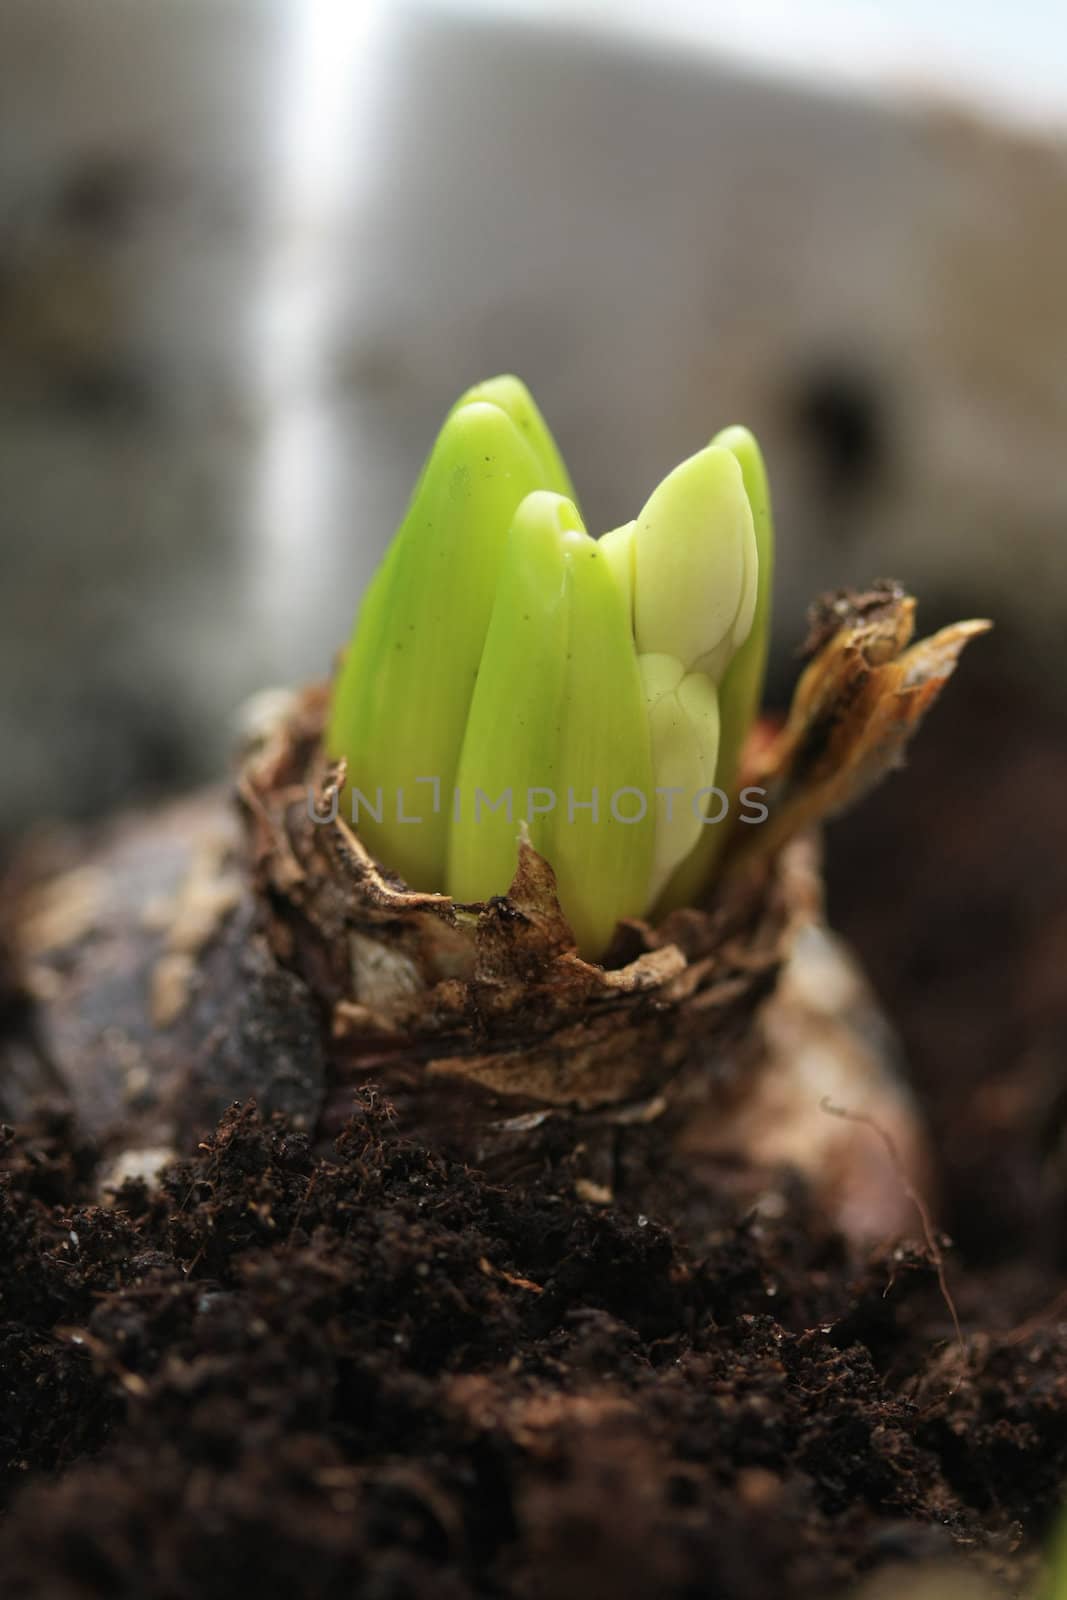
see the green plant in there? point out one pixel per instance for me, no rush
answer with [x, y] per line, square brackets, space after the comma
[507, 669]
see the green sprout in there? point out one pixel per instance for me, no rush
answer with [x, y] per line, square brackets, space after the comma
[507, 671]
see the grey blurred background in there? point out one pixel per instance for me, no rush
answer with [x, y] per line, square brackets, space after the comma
[250, 251]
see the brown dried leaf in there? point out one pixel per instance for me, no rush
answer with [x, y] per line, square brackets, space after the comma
[860, 699]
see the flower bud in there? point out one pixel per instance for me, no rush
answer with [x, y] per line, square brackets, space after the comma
[695, 564]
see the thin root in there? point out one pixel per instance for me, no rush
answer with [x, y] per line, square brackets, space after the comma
[929, 1235]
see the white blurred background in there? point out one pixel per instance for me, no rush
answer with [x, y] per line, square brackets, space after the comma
[250, 251]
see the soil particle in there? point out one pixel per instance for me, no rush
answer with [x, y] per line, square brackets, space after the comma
[379, 1373]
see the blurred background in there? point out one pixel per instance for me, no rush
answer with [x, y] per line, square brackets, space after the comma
[250, 251]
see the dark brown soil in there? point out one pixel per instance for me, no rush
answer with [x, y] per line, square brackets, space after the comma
[378, 1374]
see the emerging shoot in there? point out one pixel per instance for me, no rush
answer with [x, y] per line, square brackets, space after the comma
[507, 669]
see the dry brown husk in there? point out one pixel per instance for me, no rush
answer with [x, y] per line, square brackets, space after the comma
[291, 965]
[468, 1013]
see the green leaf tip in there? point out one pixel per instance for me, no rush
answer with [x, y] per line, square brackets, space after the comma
[513, 397]
[507, 669]
[403, 693]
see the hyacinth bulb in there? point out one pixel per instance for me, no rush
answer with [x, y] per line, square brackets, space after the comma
[507, 671]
